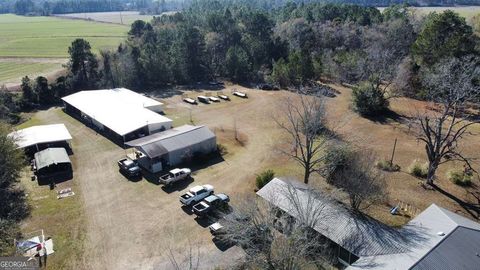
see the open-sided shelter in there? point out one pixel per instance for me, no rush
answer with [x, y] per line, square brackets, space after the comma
[37, 138]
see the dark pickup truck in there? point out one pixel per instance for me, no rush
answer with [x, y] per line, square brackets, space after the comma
[129, 167]
[211, 203]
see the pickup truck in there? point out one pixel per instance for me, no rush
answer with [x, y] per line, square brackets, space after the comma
[196, 194]
[129, 167]
[174, 175]
[211, 203]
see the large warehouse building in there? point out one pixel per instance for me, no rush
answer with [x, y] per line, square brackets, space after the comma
[120, 114]
[174, 146]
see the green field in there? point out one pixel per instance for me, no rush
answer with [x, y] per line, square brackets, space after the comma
[465, 11]
[124, 17]
[33, 37]
[26, 43]
[10, 71]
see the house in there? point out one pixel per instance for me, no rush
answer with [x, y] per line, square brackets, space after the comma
[36, 138]
[120, 114]
[52, 164]
[435, 239]
[174, 146]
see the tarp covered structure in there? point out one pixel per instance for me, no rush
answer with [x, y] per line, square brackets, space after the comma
[40, 134]
[120, 110]
[51, 156]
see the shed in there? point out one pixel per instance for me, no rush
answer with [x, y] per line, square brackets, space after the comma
[52, 163]
[174, 146]
[41, 137]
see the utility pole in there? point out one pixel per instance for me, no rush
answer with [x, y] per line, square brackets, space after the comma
[393, 152]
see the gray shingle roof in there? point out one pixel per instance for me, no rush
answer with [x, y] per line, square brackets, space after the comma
[158, 144]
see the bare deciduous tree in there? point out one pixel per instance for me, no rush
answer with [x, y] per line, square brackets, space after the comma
[271, 237]
[451, 86]
[304, 119]
[190, 260]
[361, 180]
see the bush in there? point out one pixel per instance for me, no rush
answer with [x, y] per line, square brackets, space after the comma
[336, 158]
[222, 149]
[264, 178]
[460, 178]
[385, 165]
[368, 100]
[417, 169]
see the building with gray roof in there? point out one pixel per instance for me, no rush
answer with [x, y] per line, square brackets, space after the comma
[435, 239]
[174, 146]
[52, 163]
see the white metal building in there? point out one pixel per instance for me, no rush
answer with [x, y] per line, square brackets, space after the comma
[120, 112]
[41, 136]
[174, 146]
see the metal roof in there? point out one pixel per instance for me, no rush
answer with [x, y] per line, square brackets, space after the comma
[120, 109]
[361, 235]
[51, 156]
[459, 250]
[158, 144]
[40, 134]
[436, 225]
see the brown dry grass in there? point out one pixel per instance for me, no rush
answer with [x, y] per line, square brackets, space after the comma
[123, 224]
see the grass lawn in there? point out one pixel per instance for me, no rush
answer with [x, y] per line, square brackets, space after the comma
[34, 37]
[64, 219]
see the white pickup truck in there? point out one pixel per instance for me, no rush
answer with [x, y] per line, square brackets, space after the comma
[196, 194]
[174, 176]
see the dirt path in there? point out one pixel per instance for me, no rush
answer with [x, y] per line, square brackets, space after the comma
[132, 225]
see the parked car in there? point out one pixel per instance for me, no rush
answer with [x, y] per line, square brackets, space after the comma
[129, 167]
[224, 97]
[214, 99]
[211, 203]
[240, 94]
[174, 176]
[190, 101]
[216, 228]
[196, 194]
[203, 99]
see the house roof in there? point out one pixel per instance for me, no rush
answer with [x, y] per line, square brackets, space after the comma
[446, 237]
[40, 134]
[51, 156]
[360, 235]
[459, 250]
[158, 144]
[120, 109]
[436, 239]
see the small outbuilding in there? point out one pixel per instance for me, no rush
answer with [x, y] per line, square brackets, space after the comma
[52, 164]
[177, 145]
[36, 138]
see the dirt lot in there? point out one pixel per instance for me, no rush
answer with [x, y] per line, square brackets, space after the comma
[121, 224]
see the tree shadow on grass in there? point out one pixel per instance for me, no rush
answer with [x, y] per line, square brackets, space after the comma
[388, 116]
[471, 208]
